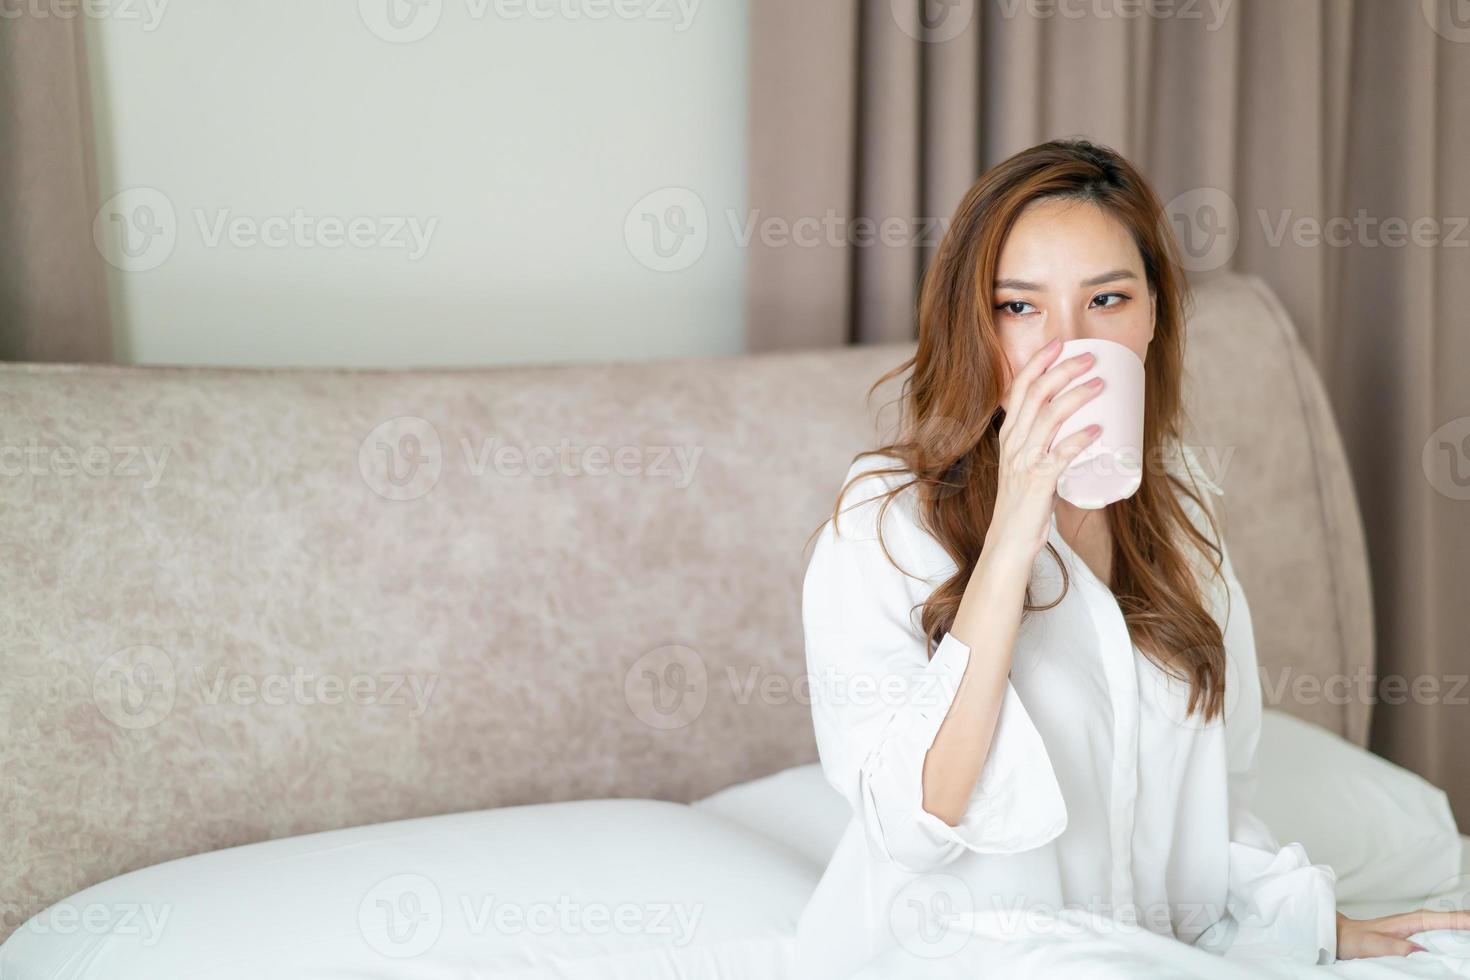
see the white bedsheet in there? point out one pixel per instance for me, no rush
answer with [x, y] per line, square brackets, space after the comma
[1076, 949]
[1091, 948]
[798, 809]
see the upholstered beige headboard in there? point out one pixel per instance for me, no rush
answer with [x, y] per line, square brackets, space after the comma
[240, 605]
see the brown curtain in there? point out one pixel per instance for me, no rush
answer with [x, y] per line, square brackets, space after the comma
[53, 303]
[1258, 120]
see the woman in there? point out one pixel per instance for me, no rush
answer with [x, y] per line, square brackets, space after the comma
[1095, 753]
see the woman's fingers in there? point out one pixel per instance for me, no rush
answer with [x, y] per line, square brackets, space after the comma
[1076, 442]
[1422, 920]
[1039, 455]
[1040, 392]
[1065, 451]
[1029, 372]
[1382, 944]
[1389, 935]
[1049, 421]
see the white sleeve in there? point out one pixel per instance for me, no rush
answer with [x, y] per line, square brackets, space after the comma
[1280, 905]
[878, 702]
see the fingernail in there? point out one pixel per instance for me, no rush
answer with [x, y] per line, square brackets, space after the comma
[1052, 343]
[1095, 382]
[1094, 429]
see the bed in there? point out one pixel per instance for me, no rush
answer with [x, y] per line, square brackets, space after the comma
[485, 673]
[653, 889]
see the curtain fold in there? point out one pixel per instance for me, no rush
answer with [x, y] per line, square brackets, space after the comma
[53, 300]
[1318, 144]
[799, 152]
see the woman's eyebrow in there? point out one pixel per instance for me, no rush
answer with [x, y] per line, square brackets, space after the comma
[1027, 286]
[1112, 276]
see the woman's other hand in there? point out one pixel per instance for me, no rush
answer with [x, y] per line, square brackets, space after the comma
[1389, 935]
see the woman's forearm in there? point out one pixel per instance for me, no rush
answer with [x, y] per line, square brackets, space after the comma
[988, 618]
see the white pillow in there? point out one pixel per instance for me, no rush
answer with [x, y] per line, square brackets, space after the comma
[1387, 833]
[796, 807]
[598, 888]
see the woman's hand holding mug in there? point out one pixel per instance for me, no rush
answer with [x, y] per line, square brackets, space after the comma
[1030, 465]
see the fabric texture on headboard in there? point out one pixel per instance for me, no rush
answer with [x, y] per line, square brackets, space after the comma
[241, 605]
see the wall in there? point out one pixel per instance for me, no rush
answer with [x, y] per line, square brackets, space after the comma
[420, 182]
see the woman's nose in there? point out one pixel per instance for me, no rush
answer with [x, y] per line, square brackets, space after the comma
[1065, 328]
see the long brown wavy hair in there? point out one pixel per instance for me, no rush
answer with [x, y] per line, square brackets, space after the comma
[951, 412]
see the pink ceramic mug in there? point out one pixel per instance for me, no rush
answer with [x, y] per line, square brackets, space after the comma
[1111, 467]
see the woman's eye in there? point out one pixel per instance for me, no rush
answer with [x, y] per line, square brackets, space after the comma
[1112, 299]
[1015, 307]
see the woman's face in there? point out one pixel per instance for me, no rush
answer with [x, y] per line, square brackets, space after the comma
[1069, 269]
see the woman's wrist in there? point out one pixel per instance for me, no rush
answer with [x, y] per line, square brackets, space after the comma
[1008, 556]
[993, 597]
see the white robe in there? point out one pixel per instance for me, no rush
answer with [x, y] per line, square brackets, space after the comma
[1098, 794]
